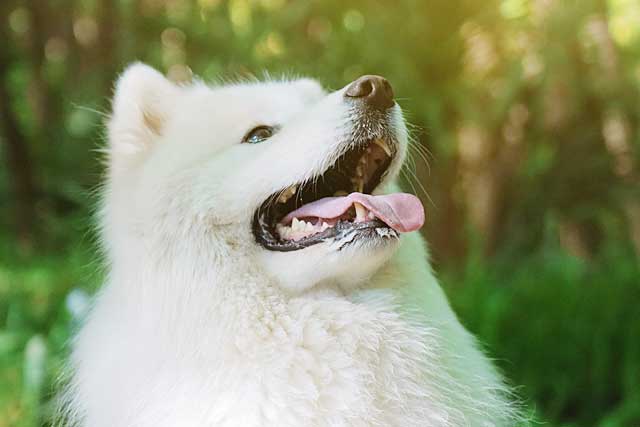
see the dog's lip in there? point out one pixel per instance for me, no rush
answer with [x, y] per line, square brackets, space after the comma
[341, 230]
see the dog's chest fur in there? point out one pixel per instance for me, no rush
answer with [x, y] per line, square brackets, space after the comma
[259, 358]
[306, 361]
[327, 360]
[222, 346]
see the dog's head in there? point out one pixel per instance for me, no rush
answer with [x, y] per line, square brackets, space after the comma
[290, 176]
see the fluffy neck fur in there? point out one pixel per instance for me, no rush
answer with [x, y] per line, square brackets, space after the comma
[183, 339]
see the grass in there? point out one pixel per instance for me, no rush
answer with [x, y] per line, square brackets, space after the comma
[565, 331]
[38, 299]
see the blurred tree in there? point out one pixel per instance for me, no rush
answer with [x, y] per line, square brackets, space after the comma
[16, 150]
[529, 108]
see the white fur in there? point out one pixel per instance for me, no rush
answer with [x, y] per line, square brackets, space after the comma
[197, 325]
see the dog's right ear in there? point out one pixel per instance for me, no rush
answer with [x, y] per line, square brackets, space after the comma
[142, 103]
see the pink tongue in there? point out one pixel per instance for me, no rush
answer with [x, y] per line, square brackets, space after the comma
[400, 211]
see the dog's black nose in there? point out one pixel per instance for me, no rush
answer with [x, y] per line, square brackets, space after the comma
[375, 91]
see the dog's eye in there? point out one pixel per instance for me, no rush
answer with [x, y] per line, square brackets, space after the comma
[258, 134]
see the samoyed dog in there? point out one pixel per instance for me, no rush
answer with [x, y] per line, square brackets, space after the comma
[265, 270]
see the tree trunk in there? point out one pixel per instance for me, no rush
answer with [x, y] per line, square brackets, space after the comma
[618, 129]
[107, 15]
[41, 102]
[18, 164]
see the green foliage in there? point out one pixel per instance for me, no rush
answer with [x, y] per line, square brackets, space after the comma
[37, 324]
[565, 330]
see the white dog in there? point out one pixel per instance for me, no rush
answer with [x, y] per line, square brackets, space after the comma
[263, 270]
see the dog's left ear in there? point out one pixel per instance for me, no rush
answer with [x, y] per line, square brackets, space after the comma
[144, 100]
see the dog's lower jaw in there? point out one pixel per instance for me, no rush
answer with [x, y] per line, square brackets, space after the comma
[297, 272]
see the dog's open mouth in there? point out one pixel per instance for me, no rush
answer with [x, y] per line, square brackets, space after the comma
[339, 204]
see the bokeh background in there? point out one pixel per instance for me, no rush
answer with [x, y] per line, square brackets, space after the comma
[527, 156]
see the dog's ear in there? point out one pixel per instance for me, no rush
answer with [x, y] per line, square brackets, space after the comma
[142, 103]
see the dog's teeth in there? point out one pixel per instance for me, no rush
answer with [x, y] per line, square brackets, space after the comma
[358, 184]
[305, 226]
[300, 229]
[371, 215]
[361, 212]
[383, 144]
[287, 194]
[283, 231]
